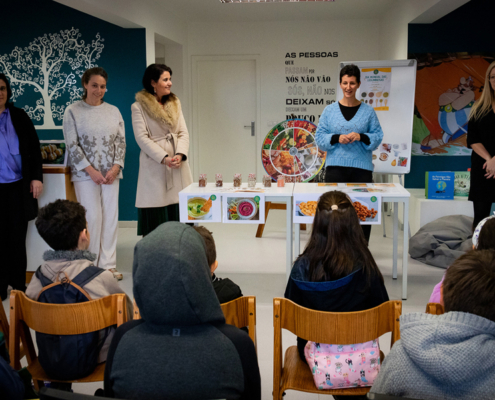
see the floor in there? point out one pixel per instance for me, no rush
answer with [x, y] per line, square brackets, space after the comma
[258, 267]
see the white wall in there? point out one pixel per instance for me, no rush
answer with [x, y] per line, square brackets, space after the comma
[354, 40]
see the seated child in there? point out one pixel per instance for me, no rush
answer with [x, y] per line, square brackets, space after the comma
[225, 289]
[483, 239]
[448, 356]
[181, 349]
[62, 224]
[337, 273]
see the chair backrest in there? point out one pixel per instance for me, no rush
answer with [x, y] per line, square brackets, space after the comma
[435, 309]
[4, 324]
[59, 319]
[137, 314]
[334, 327]
[241, 312]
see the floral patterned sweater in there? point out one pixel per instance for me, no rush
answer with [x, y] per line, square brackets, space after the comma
[95, 136]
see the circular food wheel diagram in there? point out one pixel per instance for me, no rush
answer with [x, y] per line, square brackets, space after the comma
[290, 150]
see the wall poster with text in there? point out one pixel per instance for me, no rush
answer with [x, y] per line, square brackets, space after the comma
[375, 87]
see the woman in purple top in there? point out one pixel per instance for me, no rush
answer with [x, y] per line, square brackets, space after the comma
[21, 178]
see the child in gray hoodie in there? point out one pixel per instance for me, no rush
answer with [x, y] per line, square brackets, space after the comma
[448, 356]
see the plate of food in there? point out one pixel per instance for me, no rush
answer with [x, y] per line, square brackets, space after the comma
[307, 208]
[383, 156]
[198, 208]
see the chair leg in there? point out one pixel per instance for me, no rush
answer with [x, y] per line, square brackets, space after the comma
[303, 227]
[261, 227]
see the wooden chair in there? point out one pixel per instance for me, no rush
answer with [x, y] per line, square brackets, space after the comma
[435, 309]
[241, 312]
[59, 319]
[325, 327]
[137, 314]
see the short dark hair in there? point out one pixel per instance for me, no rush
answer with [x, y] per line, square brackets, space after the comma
[153, 73]
[7, 83]
[211, 251]
[351, 70]
[60, 223]
[469, 282]
[87, 76]
[486, 238]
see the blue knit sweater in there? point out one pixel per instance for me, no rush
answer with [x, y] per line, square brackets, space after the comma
[356, 154]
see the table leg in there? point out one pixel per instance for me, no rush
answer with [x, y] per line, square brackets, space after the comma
[405, 249]
[396, 241]
[289, 245]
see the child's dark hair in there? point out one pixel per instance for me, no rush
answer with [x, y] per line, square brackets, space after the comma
[7, 84]
[486, 239]
[469, 282]
[87, 76]
[351, 70]
[337, 244]
[211, 252]
[60, 223]
[153, 73]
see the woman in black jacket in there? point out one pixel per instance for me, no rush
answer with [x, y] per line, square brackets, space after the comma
[21, 178]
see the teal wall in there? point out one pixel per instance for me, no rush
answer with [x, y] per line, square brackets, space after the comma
[123, 57]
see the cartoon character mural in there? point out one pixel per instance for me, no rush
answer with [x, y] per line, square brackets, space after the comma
[447, 85]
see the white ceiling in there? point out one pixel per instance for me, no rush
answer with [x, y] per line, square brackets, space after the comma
[215, 11]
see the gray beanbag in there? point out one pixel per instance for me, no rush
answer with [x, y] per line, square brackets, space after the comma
[442, 241]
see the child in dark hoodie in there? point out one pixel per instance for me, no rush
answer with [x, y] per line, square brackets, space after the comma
[181, 348]
[225, 289]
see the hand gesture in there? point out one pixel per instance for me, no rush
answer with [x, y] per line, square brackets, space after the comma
[36, 188]
[96, 175]
[354, 137]
[343, 139]
[176, 161]
[112, 174]
[489, 167]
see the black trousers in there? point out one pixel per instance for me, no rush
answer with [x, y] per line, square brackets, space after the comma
[481, 211]
[350, 175]
[13, 230]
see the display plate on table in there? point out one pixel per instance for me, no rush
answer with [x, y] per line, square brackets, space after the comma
[290, 150]
[53, 153]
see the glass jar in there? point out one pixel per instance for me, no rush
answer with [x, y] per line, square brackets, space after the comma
[237, 180]
[281, 181]
[267, 181]
[252, 180]
[202, 180]
[218, 180]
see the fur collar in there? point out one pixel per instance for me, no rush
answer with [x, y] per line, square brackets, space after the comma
[69, 255]
[168, 113]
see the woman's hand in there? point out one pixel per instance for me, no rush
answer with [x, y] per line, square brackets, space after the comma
[353, 137]
[176, 161]
[36, 188]
[489, 167]
[95, 175]
[343, 139]
[112, 174]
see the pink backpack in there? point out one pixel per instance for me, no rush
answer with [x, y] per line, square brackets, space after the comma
[343, 366]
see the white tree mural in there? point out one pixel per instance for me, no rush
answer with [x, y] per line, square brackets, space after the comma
[50, 65]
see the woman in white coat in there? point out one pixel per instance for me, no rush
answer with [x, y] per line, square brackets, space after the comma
[161, 133]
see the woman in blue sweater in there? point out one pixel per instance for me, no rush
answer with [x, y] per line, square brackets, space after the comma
[349, 131]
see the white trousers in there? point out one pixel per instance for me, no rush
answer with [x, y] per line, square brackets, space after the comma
[102, 213]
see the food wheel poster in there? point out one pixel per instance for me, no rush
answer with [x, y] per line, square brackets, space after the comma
[290, 150]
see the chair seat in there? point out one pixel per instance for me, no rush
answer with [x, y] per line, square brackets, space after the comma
[297, 375]
[38, 373]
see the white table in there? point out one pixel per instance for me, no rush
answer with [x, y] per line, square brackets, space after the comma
[273, 194]
[399, 195]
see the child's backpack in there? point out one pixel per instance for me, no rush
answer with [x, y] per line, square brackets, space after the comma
[68, 357]
[338, 366]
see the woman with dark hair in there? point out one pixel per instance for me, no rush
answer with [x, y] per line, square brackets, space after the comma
[481, 139]
[349, 131]
[336, 272]
[95, 136]
[21, 177]
[161, 133]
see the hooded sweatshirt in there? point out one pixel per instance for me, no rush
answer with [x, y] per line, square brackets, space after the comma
[181, 348]
[449, 356]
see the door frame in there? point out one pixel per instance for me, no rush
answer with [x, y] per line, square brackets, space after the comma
[195, 107]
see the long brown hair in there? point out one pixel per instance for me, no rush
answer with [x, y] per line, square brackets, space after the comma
[337, 244]
[485, 103]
